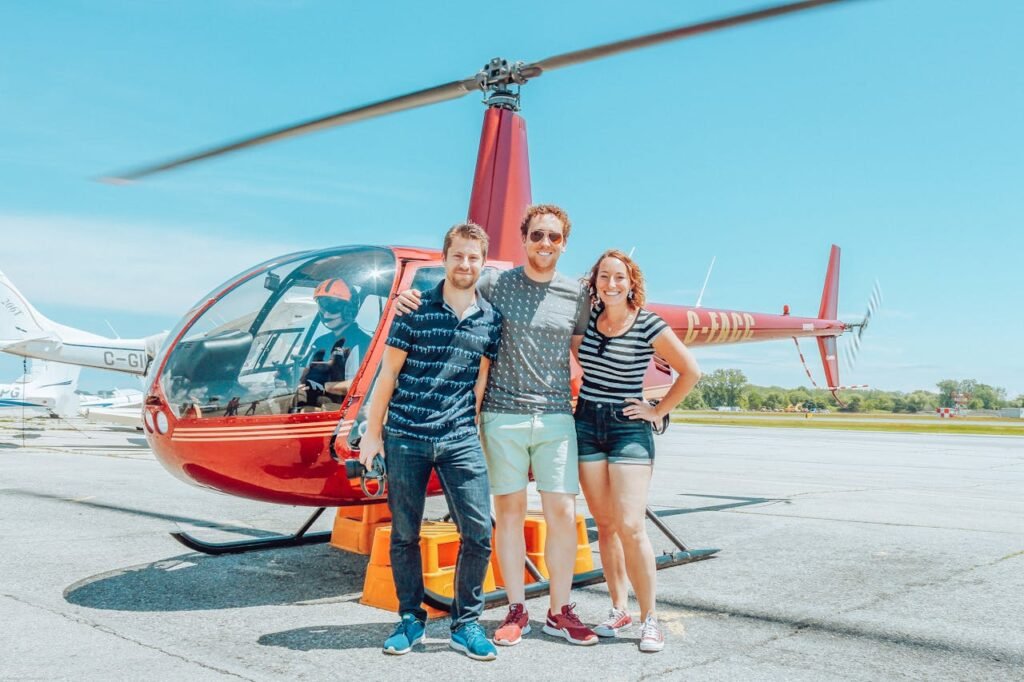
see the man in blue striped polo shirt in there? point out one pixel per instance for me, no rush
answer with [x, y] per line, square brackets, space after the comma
[431, 383]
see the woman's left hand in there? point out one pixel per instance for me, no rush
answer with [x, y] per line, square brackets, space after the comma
[641, 409]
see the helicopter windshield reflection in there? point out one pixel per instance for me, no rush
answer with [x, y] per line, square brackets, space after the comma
[287, 339]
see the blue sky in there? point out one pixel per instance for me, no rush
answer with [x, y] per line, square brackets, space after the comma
[890, 127]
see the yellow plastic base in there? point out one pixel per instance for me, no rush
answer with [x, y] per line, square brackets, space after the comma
[354, 527]
[535, 531]
[439, 548]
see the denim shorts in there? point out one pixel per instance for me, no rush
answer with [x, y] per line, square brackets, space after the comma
[604, 432]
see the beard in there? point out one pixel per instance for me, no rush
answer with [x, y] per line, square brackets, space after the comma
[543, 264]
[462, 281]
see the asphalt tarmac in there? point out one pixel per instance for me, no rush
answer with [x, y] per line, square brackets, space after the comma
[844, 555]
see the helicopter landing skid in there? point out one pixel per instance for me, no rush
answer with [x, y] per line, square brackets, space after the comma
[542, 586]
[300, 537]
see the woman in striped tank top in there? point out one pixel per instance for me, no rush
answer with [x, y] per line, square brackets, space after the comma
[613, 429]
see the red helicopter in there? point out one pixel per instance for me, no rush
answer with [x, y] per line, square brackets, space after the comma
[221, 408]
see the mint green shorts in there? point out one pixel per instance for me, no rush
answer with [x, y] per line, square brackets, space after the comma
[515, 444]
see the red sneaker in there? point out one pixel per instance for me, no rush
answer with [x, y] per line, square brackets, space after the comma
[568, 625]
[515, 625]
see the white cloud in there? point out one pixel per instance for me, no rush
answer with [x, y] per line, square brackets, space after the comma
[116, 265]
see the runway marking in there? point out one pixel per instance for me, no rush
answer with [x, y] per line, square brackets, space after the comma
[265, 571]
[872, 523]
[349, 597]
[801, 625]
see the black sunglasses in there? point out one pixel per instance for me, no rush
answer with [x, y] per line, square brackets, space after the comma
[333, 306]
[536, 236]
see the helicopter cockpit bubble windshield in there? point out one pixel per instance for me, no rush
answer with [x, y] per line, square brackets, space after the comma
[286, 339]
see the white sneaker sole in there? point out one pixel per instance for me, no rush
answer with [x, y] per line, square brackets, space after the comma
[555, 632]
[602, 631]
[651, 647]
[458, 647]
[402, 652]
[505, 642]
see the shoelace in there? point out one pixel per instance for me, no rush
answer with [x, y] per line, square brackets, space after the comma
[614, 615]
[403, 626]
[514, 612]
[650, 629]
[473, 631]
[570, 615]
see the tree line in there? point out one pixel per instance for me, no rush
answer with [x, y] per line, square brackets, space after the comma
[729, 388]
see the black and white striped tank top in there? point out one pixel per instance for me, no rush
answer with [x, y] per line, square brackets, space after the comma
[614, 366]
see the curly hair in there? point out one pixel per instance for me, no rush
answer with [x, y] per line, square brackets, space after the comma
[546, 209]
[637, 293]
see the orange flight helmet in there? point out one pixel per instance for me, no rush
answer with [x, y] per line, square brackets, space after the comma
[334, 287]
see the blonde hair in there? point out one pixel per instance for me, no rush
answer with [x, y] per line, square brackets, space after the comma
[466, 231]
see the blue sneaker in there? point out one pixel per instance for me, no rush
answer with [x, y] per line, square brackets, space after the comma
[408, 633]
[471, 640]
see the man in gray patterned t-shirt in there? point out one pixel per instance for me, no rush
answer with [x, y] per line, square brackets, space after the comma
[526, 422]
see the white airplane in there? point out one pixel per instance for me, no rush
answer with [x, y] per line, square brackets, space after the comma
[118, 397]
[121, 406]
[48, 389]
[26, 332]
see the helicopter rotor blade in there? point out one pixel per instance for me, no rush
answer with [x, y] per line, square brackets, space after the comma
[591, 53]
[412, 100]
[459, 88]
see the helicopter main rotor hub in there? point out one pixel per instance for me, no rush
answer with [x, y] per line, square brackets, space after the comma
[500, 81]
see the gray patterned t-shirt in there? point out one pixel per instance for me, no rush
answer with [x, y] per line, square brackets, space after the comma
[531, 373]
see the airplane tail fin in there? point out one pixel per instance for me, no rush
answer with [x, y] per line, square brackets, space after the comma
[19, 320]
[828, 311]
[49, 386]
[26, 332]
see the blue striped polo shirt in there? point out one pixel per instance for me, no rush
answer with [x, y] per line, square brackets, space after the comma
[433, 398]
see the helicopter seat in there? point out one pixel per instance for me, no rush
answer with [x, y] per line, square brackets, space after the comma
[213, 366]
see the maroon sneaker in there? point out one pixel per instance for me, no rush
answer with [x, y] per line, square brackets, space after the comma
[567, 624]
[515, 625]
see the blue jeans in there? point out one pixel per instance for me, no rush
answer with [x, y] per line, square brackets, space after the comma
[463, 474]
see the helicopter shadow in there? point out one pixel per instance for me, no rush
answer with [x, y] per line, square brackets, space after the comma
[197, 582]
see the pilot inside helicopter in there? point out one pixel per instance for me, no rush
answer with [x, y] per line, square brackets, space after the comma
[333, 357]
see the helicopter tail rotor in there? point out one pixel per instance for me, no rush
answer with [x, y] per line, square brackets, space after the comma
[851, 351]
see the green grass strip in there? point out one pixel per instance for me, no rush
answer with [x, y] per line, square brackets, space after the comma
[852, 424]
